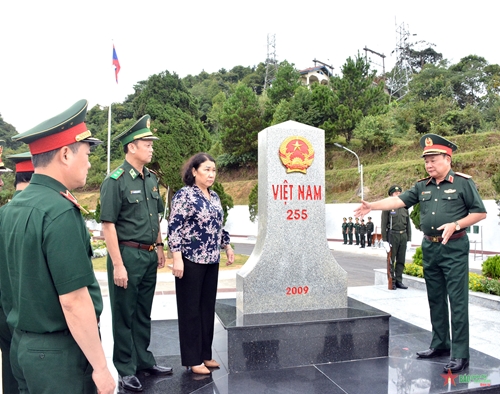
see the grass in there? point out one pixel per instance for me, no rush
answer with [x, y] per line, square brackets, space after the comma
[239, 259]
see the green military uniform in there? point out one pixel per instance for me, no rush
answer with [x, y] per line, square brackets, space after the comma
[446, 267]
[45, 253]
[344, 231]
[350, 226]
[396, 229]
[362, 232]
[132, 202]
[369, 231]
[356, 231]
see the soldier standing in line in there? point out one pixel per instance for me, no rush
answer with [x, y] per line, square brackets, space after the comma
[49, 290]
[344, 231]
[369, 231]
[350, 226]
[130, 208]
[449, 203]
[356, 230]
[397, 222]
[362, 232]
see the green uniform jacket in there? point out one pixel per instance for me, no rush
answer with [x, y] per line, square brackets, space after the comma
[123, 194]
[45, 252]
[400, 222]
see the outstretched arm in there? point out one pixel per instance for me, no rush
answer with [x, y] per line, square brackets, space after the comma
[384, 205]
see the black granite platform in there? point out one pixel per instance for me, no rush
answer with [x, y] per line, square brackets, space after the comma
[399, 372]
[294, 339]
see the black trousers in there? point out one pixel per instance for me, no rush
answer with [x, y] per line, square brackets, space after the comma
[196, 293]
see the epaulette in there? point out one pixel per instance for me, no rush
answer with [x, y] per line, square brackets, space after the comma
[154, 173]
[117, 173]
[424, 179]
[463, 175]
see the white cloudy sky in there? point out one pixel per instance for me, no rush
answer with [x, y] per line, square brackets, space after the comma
[55, 52]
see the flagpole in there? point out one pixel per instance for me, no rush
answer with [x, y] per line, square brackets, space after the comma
[109, 137]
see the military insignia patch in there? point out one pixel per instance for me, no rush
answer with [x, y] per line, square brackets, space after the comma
[463, 175]
[155, 189]
[72, 198]
[448, 191]
[132, 173]
[117, 173]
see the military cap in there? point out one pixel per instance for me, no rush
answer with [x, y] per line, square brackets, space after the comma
[363, 220]
[139, 131]
[350, 218]
[2, 165]
[394, 188]
[345, 218]
[64, 129]
[369, 217]
[23, 162]
[356, 218]
[434, 144]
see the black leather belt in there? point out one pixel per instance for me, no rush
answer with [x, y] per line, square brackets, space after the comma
[398, 231]
[432, 238]
[138, 245]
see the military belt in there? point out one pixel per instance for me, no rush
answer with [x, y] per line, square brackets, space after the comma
[431, 238]
[137, 245]
[398, 231]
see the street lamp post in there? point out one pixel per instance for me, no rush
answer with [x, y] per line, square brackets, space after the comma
[360, 166]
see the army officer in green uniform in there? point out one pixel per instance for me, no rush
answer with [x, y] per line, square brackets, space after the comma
[130, 208]
[396, 230]
[449, 202]
[344, 231]
[48, 288]
[350, 226]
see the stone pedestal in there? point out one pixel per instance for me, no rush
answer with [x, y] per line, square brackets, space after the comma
[290, 339]
[291, 267]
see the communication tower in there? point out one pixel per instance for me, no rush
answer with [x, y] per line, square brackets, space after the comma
[271, 62]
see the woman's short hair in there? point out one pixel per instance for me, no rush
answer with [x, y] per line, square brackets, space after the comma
[195, 162]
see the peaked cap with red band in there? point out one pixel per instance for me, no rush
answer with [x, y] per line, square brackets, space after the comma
[23, 162]
[434, 144]
[64, 129]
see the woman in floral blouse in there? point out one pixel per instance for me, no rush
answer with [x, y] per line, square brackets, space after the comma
[195, 237]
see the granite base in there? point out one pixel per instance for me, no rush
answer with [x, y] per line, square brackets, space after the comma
[291, 339]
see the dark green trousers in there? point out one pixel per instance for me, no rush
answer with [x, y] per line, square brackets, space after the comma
[131, 310]
[9, 383]
[398, 255]
[446, 273]
[51, 363]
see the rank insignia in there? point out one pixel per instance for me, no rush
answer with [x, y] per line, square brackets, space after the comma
[448, 191]
[72, 198]
[155, 189]
[132, 173]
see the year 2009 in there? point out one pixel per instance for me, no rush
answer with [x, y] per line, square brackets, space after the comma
[297, 290]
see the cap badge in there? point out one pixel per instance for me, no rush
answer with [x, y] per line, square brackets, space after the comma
[428, 141]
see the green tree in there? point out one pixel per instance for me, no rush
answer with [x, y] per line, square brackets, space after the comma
[375, 132]
[175, 119]
[469, 80]
[285, 83]
[225, 199]
[355, 96]
[240, 122]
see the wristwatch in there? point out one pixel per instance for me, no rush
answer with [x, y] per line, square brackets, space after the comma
[457, 226]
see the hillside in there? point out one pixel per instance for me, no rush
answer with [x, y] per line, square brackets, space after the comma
[477, 156]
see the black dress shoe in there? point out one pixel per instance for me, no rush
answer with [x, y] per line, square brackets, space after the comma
[130, 383]
[158, 370]
[431, 353]
[400, 285]
[456, 365]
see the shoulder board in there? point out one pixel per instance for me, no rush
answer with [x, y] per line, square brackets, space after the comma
[153, 172]
[463, 175]
[117, 173]
[424, 179]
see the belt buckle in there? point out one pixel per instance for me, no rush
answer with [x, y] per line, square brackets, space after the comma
[151, 248]
[434, 238]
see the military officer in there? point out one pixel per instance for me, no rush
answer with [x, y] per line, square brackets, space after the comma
[356, 230]
[9, 383]
[369, 230]
[344, 231]
[24, 170]
[362, 232]
[449, 203]
[396, 230]
[130, 208]
[350, 226]
[48, 288]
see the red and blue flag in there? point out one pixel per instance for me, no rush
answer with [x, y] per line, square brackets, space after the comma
[116, 63]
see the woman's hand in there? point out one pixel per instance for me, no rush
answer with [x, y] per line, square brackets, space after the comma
[178, 266]
[230, 255]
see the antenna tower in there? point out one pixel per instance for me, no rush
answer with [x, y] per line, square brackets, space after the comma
[402, 70]
[271, 62]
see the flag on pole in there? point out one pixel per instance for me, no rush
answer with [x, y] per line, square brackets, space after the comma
[116, 63]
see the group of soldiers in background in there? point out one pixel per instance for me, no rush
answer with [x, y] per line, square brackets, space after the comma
[359, 230]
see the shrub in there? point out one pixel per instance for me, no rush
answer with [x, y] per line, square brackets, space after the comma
[418, 256]
[414, 270]
[491, 286]
[475, 282]
[491, 267]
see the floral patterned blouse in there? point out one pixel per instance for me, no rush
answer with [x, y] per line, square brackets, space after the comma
[195, 226]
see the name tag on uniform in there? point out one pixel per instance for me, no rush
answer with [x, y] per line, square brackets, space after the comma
[426, 192]
[135, 192]
[450, 191]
